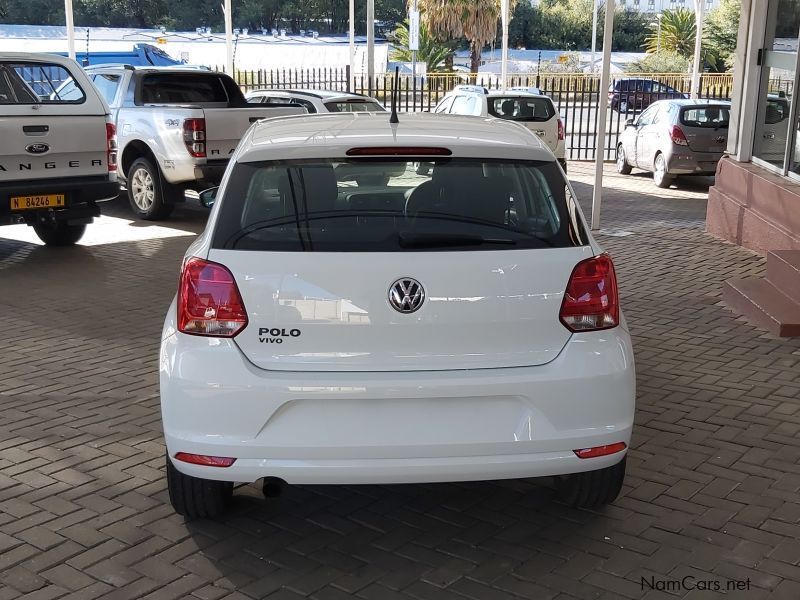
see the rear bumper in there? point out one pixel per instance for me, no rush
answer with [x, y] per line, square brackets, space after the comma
[210, 174]
[82, 194]
[400, 427]
[693, 163]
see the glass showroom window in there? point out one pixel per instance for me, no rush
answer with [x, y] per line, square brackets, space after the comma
[774, 144]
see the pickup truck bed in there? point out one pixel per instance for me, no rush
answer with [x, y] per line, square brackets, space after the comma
[177, 129]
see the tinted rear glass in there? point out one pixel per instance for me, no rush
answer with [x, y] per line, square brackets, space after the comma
[38, 83]
[353, 106]
[711, 117]
[522, 109]
[376, 205]
[180, 88]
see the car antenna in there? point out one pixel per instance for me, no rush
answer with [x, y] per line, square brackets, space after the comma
[395, 91]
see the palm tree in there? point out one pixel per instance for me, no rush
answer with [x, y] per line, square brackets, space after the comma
[677, 34]
[432, 52]
[475, 20]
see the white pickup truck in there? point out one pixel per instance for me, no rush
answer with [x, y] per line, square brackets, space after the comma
[177, 127]
[58, 155]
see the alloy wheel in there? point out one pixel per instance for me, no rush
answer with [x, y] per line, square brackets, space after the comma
[143, 188]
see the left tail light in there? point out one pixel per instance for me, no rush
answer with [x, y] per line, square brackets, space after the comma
[111, 146]
[678, 137]
[194, 136]
[560, 129]
[591, 301]
[209, 302]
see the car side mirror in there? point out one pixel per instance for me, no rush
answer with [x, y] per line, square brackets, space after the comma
[629, 123]
[208, 197]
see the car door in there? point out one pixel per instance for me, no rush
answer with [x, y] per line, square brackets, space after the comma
[642, 130]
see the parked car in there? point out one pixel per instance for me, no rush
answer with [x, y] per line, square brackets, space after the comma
[452, 326]
[675, 137]
[177, 127]
[534, 111]
[58, 156]
[633, 94]
[316, 101]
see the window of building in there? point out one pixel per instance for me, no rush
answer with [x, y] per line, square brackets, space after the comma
[775, 143]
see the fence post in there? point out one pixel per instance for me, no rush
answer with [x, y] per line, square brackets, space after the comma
[348, 74]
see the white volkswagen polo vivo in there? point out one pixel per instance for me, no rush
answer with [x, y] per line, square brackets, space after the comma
[376, 303]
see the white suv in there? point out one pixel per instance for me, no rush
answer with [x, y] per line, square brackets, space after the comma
[316, 101]
[533, 110]
[393, 303]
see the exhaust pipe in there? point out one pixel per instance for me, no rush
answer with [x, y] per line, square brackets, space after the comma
[272, 487]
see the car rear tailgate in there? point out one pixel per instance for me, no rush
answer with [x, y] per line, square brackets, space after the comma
[226, 126]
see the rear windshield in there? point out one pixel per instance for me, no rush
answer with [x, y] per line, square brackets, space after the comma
[712, 117]
[354, 106]
[189, 88]
[522, 109]
[38, 83]
[378, 205]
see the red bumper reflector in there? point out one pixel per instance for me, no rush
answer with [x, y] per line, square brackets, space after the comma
[206, 461]
[600, 450]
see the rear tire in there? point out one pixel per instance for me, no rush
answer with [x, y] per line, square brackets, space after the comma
[593, 488]
[151, 198]
[661, 178]
[197, 498]
[59, 233]
[623, 168]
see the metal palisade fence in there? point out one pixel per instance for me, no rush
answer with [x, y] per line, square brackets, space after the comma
[576, 95]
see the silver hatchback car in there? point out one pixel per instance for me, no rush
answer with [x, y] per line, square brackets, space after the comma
[675, 137]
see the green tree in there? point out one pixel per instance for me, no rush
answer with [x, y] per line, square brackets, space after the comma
[474, 20]
[661, 62]
[431, 51]
[721, 31]
[677, 33]
[630, 30]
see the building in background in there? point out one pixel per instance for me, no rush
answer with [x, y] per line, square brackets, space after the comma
[656, 6]
[253, 50]
[755, 200]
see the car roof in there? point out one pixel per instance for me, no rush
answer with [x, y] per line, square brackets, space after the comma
[331, 135]
[319, 94]
[38, 57]
[684, 102]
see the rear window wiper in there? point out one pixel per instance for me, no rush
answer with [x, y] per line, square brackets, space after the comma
[444, 240]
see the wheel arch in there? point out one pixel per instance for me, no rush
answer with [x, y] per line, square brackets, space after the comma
[133, 150]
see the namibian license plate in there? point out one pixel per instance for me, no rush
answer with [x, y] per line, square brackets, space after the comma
[37, 201]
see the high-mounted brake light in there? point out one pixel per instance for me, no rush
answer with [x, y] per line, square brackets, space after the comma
[111, 146]
[209, 302]
[206, 461]
[591, 301]
[678, 137]
[600, 450]
[194, 136]
[560, 129]
[398, 151]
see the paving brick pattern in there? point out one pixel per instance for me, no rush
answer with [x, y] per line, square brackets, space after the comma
[711, 494]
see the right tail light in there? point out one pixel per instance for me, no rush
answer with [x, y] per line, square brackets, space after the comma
[111, 146]
[591, 301]
[209, 302]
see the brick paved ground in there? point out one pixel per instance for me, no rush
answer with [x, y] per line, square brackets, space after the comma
[712, 489]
